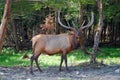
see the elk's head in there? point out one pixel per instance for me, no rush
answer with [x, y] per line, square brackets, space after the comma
[77, 32]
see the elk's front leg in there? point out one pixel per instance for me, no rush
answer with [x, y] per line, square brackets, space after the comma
[65, 58]
[61, 62]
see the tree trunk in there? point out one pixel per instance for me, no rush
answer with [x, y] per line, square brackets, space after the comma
[98, 31]
[4, 21]
[15, 35]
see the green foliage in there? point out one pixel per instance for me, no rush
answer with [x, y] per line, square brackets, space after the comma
[22, 7]
[112, 11]
[87, 1]
[37, 6]
[10, 57]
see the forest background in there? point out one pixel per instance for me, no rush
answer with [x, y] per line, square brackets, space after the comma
[27, 16]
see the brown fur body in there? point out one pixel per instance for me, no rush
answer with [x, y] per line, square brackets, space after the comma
[52, 44]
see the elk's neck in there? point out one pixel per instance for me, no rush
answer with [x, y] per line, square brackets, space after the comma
[74, 42]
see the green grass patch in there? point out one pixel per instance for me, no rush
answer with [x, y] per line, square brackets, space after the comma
[10, 57]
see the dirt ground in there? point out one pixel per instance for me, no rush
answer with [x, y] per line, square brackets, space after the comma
[52, 73]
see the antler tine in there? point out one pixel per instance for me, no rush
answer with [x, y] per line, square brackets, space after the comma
[89, 23]
[83, 23]
[68, 23]
[70, 28]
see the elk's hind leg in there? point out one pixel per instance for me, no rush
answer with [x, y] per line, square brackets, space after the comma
[31, 63]
[36, 61]
[34, 57]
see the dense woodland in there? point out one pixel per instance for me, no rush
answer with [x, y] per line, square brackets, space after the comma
[87, 29]
[28, 18]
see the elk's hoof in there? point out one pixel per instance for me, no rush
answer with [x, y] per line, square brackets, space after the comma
[60, 70]
[31, 72]
[40, 70]
[68, 70]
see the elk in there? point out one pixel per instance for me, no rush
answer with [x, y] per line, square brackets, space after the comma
[59, 43]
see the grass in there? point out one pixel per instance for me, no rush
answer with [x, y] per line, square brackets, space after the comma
[10, 57]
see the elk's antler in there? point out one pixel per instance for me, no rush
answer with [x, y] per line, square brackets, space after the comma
[89, 23]
[67, 27]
